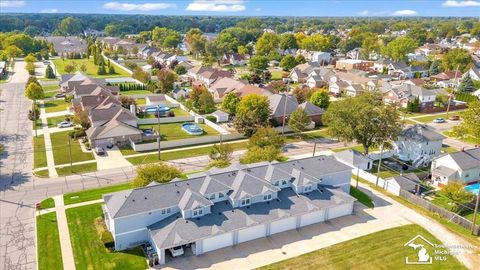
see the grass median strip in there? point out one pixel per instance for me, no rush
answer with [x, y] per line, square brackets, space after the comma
[48, 243]
[39, 155]
[89, 239]
[380, 250]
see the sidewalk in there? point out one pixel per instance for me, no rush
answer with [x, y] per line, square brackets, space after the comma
[48, 144]
[64, 233]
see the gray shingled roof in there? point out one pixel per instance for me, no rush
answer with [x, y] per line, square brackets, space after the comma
[420, 132]
[467, 159]
[175, 230]
[353, 157]
[407, 181]
[277, 104]
[240, 180]
[311, 109]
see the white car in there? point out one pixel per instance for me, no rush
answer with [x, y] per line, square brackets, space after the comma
[176, 251]
[65, 124]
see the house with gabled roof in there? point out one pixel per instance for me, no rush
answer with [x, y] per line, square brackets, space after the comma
[461, 166]
[226, 207]
[223, 86]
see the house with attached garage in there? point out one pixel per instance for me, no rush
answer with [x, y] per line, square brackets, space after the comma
[225, 207]
[406, 92]
[462, 166]
[419, 144]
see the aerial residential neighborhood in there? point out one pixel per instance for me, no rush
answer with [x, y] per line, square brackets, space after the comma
[239, 135]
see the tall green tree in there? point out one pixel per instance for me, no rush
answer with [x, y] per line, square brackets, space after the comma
[434, 67]
[398, 49]
[457, 58]
[459, 197]
[299, 120]
[34, 92]
[157, 172]
[70, 26]
[288, 62]
[267, 44]
[49, 74]
[230, 103]
[166, 80]
[253, 112]
[288, 41]
[364, 119]
[470, 127]
[466, 85]
[320, 98]
[258, 63]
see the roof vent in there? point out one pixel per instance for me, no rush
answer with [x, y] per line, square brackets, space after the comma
[302, 168]
[178, 191]
[176, 184]
[186, 221]
[188, 184]
[133, 200]
[145, 198]
[233, 210]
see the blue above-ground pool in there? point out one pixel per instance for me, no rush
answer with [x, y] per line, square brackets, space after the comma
[474, 188]
[162, 110]
[192, 128]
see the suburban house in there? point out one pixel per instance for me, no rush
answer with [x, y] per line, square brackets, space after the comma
[319, 77]
[462, 166]
[248, 89]
[431, 49]
[234, 59]
[226, 207]
[401, 71]
[279, 109]
[179, 93]
[300, 73]
[207, 75]
[145, 52]
[474, 73]
[321, 58]
[404, 93]
[351, 84]
[354, 159]
[223, 86]
[67, 45]
[349, 64]
[447, 78]
[419, 144]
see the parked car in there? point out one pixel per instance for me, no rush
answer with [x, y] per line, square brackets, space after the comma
[46, 62]
[439, 120]
[110, 146]
[454, 117]
[65, 124]
[176, 251]
[60, 95]
[100, 151]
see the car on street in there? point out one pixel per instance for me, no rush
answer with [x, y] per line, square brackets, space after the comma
[60, 95]
[65, 124]
[46, 62]
[454, 117]
[99, 151]
[176, 251]
[439, 120]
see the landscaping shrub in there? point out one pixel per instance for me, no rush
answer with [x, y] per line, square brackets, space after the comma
[211, 118]
[79, 133]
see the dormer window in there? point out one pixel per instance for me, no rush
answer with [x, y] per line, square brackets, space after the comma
[198, 211]
[276, 183]
[284, 182]
[221, 195]
[308, 188]
[244, 202]
[166, 211]
[267, 197]
[212, 197]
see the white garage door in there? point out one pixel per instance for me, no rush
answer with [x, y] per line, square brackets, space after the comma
[338, 211]
[283, 225]
[251, 233]
[216, 242]
[312, 218]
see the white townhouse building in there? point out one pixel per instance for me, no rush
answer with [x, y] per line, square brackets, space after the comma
[225, 207]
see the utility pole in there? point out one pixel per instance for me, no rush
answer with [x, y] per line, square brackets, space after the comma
[158, 117]
[454, 90]
[70, 151]
[475, 212]
[379, 164]
[284, 113]
[314, 148]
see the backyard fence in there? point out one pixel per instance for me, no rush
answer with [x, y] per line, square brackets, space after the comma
[439, 210]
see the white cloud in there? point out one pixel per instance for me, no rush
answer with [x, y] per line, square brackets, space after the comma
[405, 12]
[11, 4]
[139, 7]
[469, 3]
[217, 5]
[364, 13]
[52, 10]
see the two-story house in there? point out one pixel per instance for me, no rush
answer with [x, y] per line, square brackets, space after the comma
[226, 207]
[457, 166]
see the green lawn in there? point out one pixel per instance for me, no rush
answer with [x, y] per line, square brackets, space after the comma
[448, 149]
[77, 169]
[89, 250]
[53, 121]
[176, 111]
[174, 131]
[47, 203]
[380, 250]
[135, 92]
[91, 68]
[361, 197]
[430, 118]
[41, 173]
[50, 94]
[61, 150]
[176, 154]
[51, 88]
[440, 199]
[140, 101]
[56, 105]
[39, 156]
[48, 243]
[92, 194]
[470, 140]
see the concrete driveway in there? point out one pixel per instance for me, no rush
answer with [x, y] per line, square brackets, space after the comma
[113, 158]
[293, 243]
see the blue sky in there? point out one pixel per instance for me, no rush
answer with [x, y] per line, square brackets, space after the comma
[252, 7]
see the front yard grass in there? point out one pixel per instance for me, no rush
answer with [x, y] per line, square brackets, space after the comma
[77, 169]
[53, 121]
[47, 203]
[361, 197]
[89, 250]
[174, 131]
[92, 194]
[39, 155]
[381, 250]
[61, 150]
[56, 105]
[91, 67]
[135, 92]
[151, 158]
[469, 140]
[48, 243]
